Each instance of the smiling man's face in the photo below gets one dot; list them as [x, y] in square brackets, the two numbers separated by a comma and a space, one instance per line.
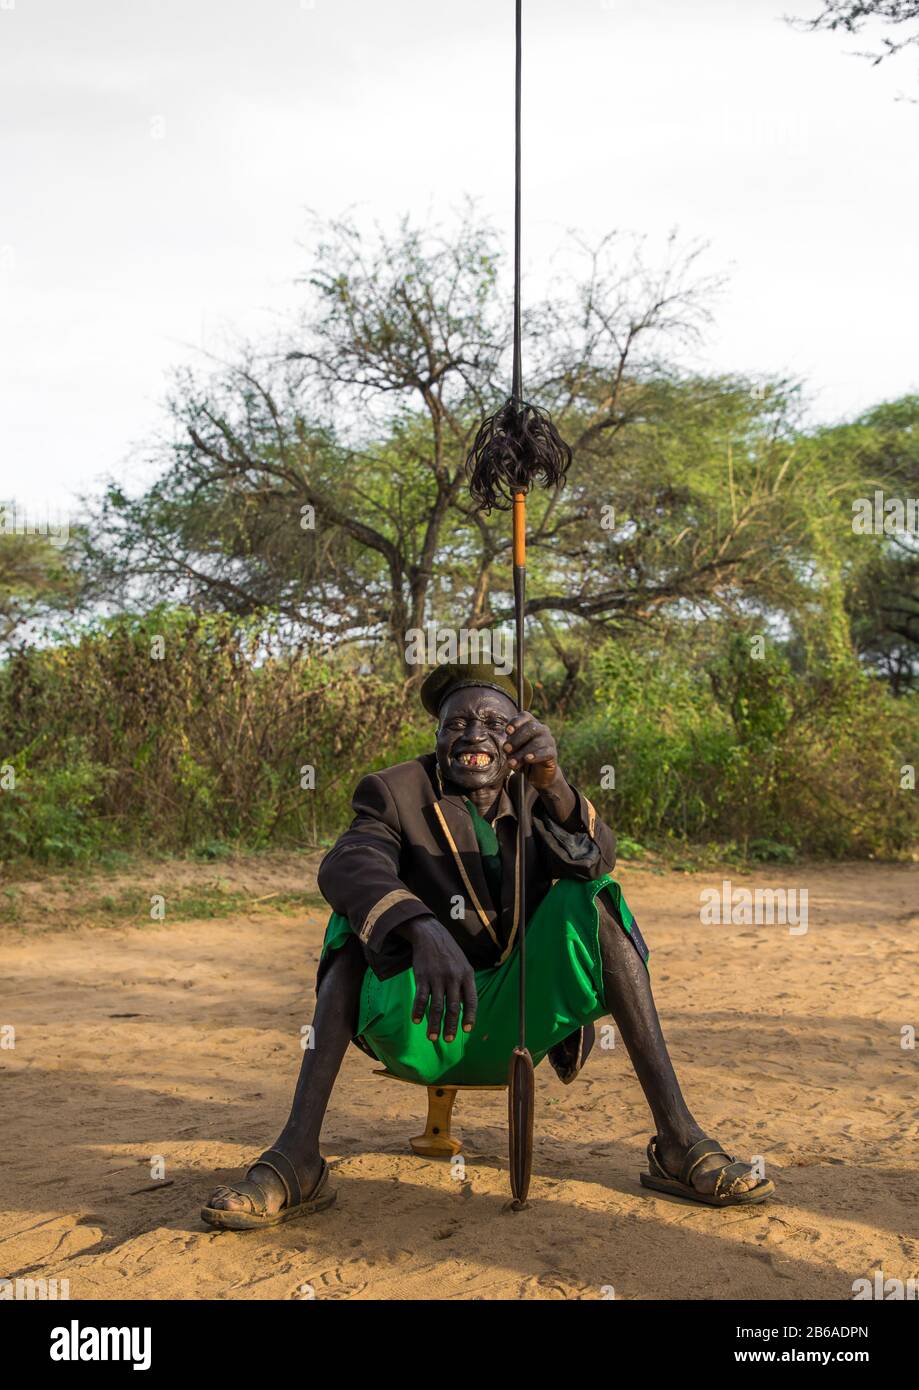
[470, 737]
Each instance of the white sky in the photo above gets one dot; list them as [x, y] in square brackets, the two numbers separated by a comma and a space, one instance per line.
[157, 158]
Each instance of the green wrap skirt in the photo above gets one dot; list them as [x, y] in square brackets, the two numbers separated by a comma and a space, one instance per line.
[564, 992]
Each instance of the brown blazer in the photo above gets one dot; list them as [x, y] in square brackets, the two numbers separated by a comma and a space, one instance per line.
[411, 850]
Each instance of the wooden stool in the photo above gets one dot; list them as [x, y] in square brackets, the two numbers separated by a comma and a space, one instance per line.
[437, 1140]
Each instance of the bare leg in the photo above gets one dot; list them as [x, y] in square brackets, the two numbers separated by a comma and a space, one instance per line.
[333, 1025]
[631, 1003]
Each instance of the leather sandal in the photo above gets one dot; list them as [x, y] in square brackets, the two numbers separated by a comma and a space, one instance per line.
[259, 1215]
[727, 1191]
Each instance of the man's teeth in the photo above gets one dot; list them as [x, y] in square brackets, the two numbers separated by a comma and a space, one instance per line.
[475, 759]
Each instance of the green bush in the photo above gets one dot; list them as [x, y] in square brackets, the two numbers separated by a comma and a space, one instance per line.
[50, 812]
[744, 751]
[175, 732]
[193, 731]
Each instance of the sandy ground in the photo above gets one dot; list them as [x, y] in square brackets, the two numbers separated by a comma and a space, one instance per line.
[178, 1042]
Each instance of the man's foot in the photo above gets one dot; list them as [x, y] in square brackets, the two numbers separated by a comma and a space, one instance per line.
[671, 1154]
[309, 1166]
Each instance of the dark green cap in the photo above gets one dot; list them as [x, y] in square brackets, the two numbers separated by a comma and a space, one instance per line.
[443, 680]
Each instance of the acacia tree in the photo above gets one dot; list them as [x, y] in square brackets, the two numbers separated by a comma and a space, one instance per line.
[324, 480]
[365, 416]
[880, 566]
